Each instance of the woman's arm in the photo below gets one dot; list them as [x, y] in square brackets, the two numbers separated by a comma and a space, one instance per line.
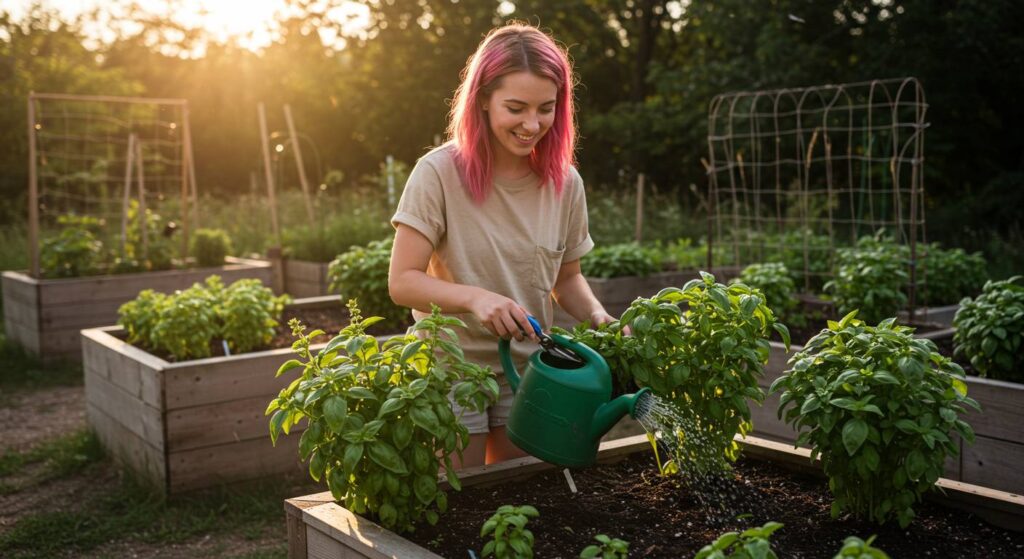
[410, 286]
[573, 294]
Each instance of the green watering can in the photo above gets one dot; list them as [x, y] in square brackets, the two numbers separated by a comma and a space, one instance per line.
[561, 407]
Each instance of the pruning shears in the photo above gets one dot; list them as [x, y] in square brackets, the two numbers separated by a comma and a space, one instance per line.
[551, 346]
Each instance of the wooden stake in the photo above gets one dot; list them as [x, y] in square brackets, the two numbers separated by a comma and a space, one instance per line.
[638, 235]
[298, 161]
[143, 218]
[129, 161]
[33, 189]
[187, 137]
[268, 175]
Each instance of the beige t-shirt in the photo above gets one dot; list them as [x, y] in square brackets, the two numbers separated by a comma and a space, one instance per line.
[513, 244]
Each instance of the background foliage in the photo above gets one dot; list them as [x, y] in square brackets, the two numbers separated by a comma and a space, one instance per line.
[647, 69]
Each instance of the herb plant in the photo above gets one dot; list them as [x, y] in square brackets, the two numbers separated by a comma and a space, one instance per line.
[684, 255]
[856, 548]
[948, 275]
[626, 259]
[379, 420]
[606, 548]
[74, 251]
[362, 274]
[870, 278]
[706, 359]
[185, 323]
[774, 281]
[210, 246]
[878, 406]
[509, 537]
[159, 246]
[990, 328]
[752, 543]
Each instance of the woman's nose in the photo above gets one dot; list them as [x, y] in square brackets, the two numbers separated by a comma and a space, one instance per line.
[531, 124]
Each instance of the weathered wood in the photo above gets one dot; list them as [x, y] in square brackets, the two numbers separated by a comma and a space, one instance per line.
[54, 310]
[303, 278]
[296, 527]
[220, 423]
[1002, 409]
[145, 421]
[994, 463]
[223, 379]
[233, 462]
[128, 448]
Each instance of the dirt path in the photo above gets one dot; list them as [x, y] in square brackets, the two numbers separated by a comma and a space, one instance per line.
[34, 417]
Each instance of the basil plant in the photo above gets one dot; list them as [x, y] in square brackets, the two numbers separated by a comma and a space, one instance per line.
[706, 359]
[879, 407]
[379, 421]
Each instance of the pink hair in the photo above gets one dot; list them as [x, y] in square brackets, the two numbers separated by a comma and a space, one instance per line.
[512, 48]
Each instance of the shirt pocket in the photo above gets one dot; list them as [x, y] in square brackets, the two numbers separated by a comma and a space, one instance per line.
[546, 263]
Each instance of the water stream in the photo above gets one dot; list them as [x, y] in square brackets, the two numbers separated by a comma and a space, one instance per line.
[703, 470]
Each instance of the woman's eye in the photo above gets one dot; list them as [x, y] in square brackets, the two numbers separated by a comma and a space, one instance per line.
[548, 111]
[514, 111]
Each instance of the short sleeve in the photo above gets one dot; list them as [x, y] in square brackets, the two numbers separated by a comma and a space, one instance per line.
[422, 205]
[577, 238]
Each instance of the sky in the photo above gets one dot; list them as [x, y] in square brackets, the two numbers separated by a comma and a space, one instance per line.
[250, 23]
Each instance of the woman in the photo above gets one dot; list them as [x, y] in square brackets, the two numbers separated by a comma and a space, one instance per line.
[493, 223]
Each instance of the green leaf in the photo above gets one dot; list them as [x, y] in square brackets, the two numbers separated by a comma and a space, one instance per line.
[425, 418]
[854, 432]
[350, 459]
[387, 457]
[916, 465]
[289, 365]
[335, 412]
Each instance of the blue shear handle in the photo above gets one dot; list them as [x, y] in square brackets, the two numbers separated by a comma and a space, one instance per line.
[535, 324]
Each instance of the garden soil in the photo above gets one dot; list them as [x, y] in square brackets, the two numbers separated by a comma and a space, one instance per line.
[662, 519]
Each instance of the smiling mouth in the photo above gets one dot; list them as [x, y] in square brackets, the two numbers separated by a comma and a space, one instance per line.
[524, 138]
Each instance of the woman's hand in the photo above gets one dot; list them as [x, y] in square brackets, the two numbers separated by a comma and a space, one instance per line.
[502, 316]
[600, 317]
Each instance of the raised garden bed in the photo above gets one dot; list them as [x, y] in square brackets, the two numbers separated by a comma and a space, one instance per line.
[193, 424]
[934, 315]
[45, 315]
[304, 278]
[995, 458]
[629, 500]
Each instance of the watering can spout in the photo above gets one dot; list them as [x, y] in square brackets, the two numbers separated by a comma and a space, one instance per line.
[610, 413]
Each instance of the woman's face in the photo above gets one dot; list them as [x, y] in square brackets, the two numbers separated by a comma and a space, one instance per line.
[520, 112]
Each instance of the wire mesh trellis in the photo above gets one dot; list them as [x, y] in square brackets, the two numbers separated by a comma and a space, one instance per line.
[796, 173]
[116, 161]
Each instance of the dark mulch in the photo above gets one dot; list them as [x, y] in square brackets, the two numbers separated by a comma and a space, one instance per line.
[661, 518]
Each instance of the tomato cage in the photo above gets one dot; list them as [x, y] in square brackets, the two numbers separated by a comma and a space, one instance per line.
[795, 174]
[120, 168]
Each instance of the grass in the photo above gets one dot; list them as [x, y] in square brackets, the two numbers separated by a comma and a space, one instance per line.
[134, 512]
[20, 370]
[59, 457]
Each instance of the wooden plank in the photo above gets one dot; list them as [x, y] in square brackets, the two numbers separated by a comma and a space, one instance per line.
[994, 463]
[296, 527]
[1002, 409]
[224, 379]
[125, 287]
[321, 546]
[229, 463]
[339, 529]
[128, 448]
[305, 278]
[128, 410]
[220, 423]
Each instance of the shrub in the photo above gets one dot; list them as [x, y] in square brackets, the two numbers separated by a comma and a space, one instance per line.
[789, 248]
[949, 275]
[509, 537]
[210, 246]
[878, 406]
[323, 241]
[185, 323]
[159, 250]
[990, 328]
[684, 255]
[706, 359]
[870, 278]
[752, 543]
[606, 548]
[362, 274]
[74, 251]
[380, 422]
[773, 280]
[626, 259]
